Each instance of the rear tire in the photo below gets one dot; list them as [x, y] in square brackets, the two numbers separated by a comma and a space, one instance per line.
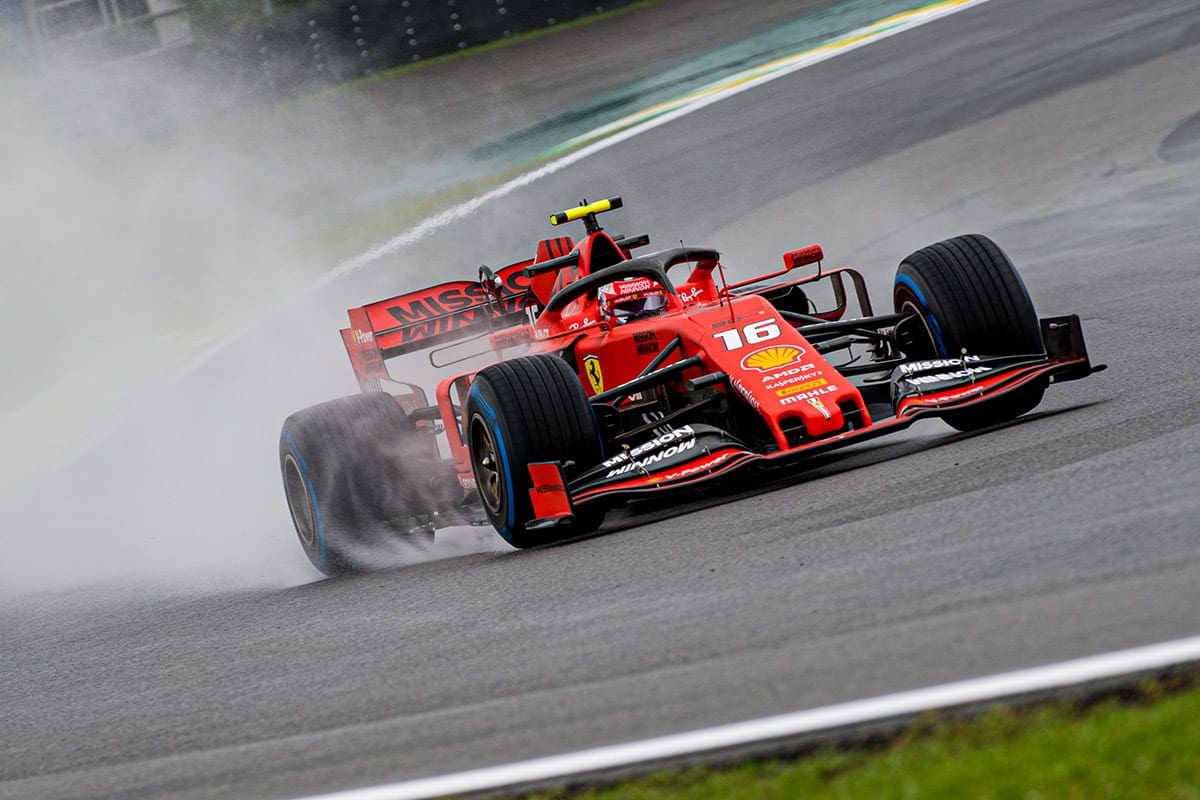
[969, 297]
[352, 474]
[520, 412]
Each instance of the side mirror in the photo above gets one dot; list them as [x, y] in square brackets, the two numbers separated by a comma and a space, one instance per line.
[490, 281]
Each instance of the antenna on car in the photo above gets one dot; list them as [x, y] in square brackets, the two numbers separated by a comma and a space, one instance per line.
[725, 290]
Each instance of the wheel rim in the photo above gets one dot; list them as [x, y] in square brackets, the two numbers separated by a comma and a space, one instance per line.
[485, 459]
[295, 487]
[912, 308]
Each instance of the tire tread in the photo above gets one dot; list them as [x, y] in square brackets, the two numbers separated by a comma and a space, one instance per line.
[979, 303]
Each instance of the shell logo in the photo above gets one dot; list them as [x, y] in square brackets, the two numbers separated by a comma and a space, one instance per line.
[770, 358]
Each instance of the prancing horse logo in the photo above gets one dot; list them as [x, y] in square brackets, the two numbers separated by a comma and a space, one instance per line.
[591, 365]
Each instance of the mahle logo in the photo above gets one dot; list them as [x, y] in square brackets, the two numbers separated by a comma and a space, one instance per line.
[770, 358]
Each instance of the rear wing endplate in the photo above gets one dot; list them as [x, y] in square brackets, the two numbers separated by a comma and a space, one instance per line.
[426, 318]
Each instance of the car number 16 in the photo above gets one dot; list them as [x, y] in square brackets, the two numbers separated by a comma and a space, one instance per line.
[754, 333]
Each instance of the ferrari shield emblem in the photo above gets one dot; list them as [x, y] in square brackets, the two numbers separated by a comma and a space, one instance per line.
[591, 365]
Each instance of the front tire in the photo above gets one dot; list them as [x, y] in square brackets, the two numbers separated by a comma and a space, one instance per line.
[525, 411]
[968, 297]
[351, 474]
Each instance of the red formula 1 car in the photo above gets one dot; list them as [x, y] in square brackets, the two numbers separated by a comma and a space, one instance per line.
[610, 376]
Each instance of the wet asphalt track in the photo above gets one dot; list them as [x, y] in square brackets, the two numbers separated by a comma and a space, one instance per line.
[920, 559]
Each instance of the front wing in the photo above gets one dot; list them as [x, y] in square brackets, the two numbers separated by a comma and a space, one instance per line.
[687, 456]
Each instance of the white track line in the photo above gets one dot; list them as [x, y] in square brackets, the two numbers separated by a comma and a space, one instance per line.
[875, 709]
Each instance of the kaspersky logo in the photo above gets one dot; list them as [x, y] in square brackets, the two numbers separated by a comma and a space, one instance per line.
[769, 358]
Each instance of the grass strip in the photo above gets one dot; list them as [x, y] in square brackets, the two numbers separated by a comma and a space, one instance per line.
[1144, 744]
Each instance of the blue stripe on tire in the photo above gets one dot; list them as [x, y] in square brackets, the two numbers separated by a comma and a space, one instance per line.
[934, 328]
[312, 495]
[511, 518]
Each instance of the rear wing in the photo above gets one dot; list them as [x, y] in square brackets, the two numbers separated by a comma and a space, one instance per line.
[427, 318]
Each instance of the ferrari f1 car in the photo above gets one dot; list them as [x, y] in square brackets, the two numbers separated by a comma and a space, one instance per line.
[610, 377]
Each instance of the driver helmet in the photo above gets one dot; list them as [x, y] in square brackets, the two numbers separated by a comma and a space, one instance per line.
[621, 301]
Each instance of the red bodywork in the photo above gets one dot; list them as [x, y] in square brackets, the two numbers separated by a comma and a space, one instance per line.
[737, 333]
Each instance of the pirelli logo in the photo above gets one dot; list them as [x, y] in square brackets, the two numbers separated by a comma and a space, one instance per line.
[801, 387]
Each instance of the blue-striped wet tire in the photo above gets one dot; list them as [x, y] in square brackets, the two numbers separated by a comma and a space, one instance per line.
[519, 412]
[352, 474]
[968, 295]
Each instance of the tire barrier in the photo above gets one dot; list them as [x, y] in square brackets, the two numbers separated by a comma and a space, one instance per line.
[326, 44]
